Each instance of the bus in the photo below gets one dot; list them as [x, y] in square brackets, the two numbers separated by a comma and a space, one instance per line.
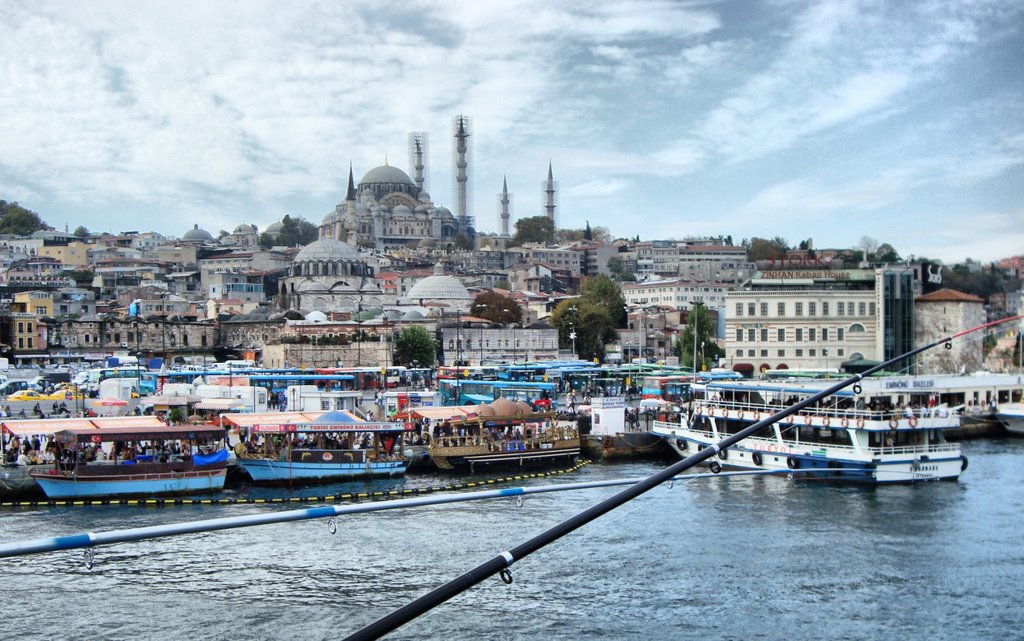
[675, 388]
[473, 392]
[471, 372]
[367, 378]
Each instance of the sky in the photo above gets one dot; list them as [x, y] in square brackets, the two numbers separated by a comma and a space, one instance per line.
[830, 121]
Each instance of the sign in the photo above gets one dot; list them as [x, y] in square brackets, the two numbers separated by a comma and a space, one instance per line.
[608, 402]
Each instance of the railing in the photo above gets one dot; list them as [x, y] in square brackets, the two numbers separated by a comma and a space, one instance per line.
[718, 407]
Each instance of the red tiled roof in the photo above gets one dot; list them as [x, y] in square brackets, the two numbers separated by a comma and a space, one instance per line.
[949, 296]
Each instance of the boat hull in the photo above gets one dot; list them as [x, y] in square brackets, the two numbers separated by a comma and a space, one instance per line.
[59, 486]
[16, 482]
[625, 445]
[270, 471]
[474, 458]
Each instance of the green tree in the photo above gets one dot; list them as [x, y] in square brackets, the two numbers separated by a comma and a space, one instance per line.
[496, 308]
[699, 325]
[415, 347]
[763, 249]
[588, 233]
[618, 269]
[81, 232]
[15, 219]
[534, 229]
[592, 324]
[296, 231]
[604, 292]
[463, 242]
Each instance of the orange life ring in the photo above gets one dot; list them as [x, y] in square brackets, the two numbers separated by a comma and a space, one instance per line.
[807, 419]
[725, 413]
[845, 422]
[912, 420]
[757, 416]
[860, 421]
[826, 421]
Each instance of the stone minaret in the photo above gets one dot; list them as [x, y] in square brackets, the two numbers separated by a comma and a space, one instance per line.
[461, 165]
[549, 196]
[417, 150]
[504, 200]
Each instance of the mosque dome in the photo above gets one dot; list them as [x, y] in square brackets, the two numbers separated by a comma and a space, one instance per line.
[386, 174]
[316, 317]
[274, 228]
[439, 287]
[327, 250]
[442, 211]
[244, 229]
[401, 210]
[197, 234]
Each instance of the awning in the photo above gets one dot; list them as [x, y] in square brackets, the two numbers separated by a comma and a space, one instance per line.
[249, 419]
[219, 404]
[438, 413]
[46, 427]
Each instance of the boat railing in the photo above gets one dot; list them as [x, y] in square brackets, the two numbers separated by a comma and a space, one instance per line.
[768, 443]
[532, 442]
[717, 407]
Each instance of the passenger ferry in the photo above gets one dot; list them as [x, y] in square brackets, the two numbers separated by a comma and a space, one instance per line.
[139, 460]
[875, 435]
[336, 445]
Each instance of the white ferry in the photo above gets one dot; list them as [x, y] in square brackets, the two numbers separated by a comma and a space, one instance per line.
[885, 430]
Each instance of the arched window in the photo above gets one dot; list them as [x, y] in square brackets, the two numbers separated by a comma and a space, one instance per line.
[856, 328]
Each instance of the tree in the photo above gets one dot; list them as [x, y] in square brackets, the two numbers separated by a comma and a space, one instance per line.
[415, 347]
[886, 253]
[699, 326]
[496, 308]
[592, 324]
[296, 231]
[81, 232]
[588, 233]
[534, 229]
[763, 249]
[15, 219]
[604, 292]
[618, 269]
[463, 242]
[868, 246]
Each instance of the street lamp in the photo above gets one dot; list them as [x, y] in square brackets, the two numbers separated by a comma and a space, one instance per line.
[480, 336]
[572, 335]
[824, 352]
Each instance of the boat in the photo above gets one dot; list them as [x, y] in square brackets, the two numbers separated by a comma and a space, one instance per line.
[611, 436]
[867, 437]
[335, 445]
[502, 434]
[144, 460]
[1011, 415]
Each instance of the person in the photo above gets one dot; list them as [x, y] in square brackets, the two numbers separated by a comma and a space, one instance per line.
[22, 459]
[572, 402]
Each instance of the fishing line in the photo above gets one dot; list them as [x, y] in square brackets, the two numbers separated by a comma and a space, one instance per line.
[504, 560]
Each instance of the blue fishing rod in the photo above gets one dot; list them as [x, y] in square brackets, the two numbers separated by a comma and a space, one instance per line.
[93, 539]
[500, 564]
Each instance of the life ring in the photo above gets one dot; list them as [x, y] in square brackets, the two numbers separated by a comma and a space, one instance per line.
[327, 456]
[845, 422]
[757, 416]
[681, 444]
[860, 421]
[711, 411]
[793, 463]
[739, 415]
[963, 463]
[97, 439]
[826, 421]
[756, 458]
[807, 420]
[893, 422]
[725, 414]
[723, 454]
[912, 421]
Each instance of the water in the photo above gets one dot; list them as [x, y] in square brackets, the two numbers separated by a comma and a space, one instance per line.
[739, 558]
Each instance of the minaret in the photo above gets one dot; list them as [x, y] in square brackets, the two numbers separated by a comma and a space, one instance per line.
[461, 164]
[417, 150]
[549, 196]
[350, 195]
[504, 200]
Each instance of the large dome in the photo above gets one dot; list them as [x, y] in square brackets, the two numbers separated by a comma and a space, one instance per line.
[386, 174]
[275, 228]
[328, 250]
[197, 234]
[439, 287]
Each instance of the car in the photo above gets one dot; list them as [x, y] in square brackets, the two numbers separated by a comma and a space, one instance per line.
[66, 394]
[28, 395]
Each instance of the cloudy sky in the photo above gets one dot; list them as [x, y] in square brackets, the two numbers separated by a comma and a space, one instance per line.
[901, 121]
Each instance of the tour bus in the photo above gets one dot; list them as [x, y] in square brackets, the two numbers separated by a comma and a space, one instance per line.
[472, 392]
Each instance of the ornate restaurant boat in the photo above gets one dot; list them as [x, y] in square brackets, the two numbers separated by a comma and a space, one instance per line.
[337, 445]
[143, 460]
[871, 437]
[503, 433]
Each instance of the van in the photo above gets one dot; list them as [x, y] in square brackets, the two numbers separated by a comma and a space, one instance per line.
[11, 387]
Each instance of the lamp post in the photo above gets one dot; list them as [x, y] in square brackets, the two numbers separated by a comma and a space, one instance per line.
[824, 352]
[480, 336]
[572, 336]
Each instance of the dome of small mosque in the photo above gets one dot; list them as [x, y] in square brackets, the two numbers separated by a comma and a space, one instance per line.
[197, 234]
[439, 287]
[327, 250]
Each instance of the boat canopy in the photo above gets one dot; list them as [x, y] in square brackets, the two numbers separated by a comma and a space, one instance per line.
[48, 426]
[137, 433]
[785, 389]
[248, 419]
[335, 421]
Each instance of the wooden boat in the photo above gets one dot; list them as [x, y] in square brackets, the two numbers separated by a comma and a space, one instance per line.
[144, 461]
[336, 445]
[503, 434]
[611, 436]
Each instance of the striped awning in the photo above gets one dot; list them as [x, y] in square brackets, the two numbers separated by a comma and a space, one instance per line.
[219, 404]
[47, 426]
[269, 418]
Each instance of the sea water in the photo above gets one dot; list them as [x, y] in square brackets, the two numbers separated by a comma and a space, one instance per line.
[721, 558]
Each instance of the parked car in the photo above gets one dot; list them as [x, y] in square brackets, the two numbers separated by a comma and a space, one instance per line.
[28, 395]
[66, 394]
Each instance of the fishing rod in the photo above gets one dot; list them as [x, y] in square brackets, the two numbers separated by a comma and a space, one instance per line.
[500, 564]
[93, 539]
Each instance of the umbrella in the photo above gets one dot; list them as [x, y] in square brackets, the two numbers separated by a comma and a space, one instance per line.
[110, 402]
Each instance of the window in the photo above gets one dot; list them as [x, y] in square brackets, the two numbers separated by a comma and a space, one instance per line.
[810, 334]
[839, 333]
[782, 335]
[824, 308]
[841, 308]
[764, 335]
[799, 334]
[811, 352]
[782, 309]
[799, 352]
[750, 309]
[812, 309]
[824, 334]
[799, 311]
[739, 335]
[856, 328]
[764, 309]
[862, 309]
[739, 353]
[782, 353]
[871, 309]
[750, 352]
[841, 351]
[750, 336]
[21, 327]
[739, 309]
[764, 353]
